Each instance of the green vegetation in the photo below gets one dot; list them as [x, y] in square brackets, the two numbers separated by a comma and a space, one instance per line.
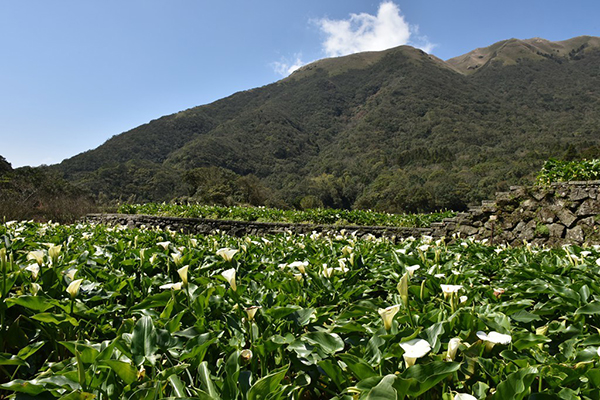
[395, 132]
[91, 311]
[40, 194]
[263, 214]
[565, 171]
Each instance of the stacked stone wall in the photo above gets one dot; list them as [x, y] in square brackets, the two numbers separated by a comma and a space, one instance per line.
[561, 213]
[554, 215]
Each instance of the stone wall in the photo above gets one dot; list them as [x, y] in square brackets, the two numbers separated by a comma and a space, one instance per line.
[562, 213]
[242, 228]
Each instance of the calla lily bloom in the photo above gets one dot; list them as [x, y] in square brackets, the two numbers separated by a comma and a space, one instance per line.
[413, 349]
[493, 338]
[176, 258]
[171, 286]
[54, 251]
[37, 255]
[35, 288]
[246, 355]
[227, 253]
[387, 315]
[183, 274]
[450, 289]
[251, 311]
[34, 269]
[403, 289]
[464, 396]
[411, 270]
[73, 288]
[452, 348]
[230, 276]
[300, 265]
[165, 245]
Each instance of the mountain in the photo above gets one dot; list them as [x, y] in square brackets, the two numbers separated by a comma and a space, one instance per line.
[393, 130]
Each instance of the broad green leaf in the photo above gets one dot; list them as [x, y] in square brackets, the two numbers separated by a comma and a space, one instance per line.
[206, 380]
[359, 367]
[517, 385]
[8, 359]
[143, 341]
[267, 385]
[592, 308]
[35, 303]
[418, 379]
[384, 389]
[55, 319]
[127, 372]
[330, 343]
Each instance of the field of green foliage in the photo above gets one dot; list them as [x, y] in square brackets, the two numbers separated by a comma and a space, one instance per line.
[266, 214]
[109, 313]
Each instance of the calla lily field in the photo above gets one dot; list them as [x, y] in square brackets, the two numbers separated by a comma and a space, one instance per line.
[97, 312]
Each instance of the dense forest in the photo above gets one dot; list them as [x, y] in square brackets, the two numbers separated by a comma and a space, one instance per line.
[398, 130]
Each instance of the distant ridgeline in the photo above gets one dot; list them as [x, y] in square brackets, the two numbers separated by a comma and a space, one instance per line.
[397, 130]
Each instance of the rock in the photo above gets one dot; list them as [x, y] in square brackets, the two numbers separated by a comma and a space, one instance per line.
[556, 230]
[589, 207]
[589, 221]
[546, 215]
[466, 230]
[529, 205]
[575, 235]
[578, 193]
[566, 217]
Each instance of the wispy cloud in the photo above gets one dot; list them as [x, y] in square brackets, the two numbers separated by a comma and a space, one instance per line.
[285, 67]
[362, 32]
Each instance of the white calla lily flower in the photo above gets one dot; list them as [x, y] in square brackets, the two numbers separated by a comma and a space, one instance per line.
[452, 349]
[73, 288]
[464, 396]
[183, 274]
[251, 312]
[413, 349]
[227, 253]
[34, 269]
[493, 338]
[171, 286]
[411, 270]
[230, 276]
[387, 315]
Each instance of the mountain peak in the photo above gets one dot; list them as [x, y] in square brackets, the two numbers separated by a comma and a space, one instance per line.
[511, 51]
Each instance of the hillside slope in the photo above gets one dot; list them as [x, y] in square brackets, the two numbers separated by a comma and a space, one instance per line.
[393, 130]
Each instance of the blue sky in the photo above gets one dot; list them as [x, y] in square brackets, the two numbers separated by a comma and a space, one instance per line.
[74, 73]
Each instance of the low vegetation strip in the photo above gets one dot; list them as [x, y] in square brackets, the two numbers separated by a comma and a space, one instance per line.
[90, 311]
[264, 214]
[565, 171]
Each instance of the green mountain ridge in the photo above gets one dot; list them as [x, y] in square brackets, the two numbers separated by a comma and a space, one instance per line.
[393, 130]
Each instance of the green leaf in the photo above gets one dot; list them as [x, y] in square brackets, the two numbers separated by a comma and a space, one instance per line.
[55, 319]
[143, 341]
[592, 308]
[359, 367]
[205, 379]
[267, 385]
[330, 343]
[9, 359]
[517, 385]
[127, 372]
[418, 379]
[384, 389]
[35, 303]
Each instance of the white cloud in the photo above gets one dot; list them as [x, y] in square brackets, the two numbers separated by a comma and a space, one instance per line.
[362, 32]
[285, 67]
[366, 32]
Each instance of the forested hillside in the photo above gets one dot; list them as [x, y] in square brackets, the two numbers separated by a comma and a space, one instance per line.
[398, 130]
